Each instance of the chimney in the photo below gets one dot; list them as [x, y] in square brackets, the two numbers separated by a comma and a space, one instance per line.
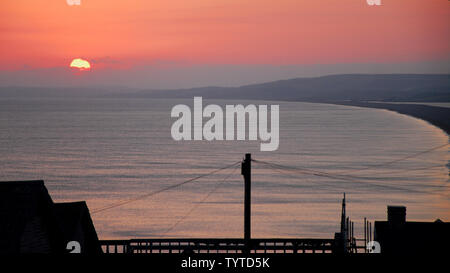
[396, 215]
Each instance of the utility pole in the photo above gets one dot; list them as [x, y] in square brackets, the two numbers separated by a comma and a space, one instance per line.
[246, 172]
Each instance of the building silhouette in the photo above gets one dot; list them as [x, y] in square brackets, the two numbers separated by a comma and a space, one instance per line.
[30, 222]
[398, 236]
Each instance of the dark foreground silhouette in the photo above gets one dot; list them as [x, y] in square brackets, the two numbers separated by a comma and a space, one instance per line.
[32, 223]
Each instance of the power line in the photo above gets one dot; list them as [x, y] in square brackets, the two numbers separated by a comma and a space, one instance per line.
[345, 178]
[409, 169]
[316, 172]
[326, 174]
[330, 175]
[401, 159]
[162, 190]
[321, 173]
[217, 186]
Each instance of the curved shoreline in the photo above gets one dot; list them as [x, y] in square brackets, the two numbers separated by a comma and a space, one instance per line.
[437, 116]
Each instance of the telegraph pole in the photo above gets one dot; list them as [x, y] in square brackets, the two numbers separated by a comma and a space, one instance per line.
[246, 172]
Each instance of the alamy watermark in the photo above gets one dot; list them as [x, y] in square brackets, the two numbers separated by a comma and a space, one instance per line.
[73, 2]
[214, 129]
[73, 247]
[373, 247]
[373, 2]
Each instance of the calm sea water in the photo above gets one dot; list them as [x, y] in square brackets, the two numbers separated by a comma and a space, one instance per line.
[107, 151]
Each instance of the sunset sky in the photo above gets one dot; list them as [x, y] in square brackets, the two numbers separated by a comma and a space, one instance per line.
[184, 43]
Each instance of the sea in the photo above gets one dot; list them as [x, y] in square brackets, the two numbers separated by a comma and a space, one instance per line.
[118, 155]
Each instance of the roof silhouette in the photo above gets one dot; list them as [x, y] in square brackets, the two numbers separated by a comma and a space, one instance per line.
[30, 222]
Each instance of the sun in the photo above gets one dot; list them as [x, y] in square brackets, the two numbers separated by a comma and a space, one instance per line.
[80, 64]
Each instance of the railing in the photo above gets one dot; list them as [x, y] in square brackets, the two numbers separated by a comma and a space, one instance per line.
[217, 246]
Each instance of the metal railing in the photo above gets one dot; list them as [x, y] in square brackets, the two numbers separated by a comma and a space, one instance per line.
[217, 246]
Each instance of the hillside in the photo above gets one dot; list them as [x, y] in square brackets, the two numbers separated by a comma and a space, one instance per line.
[389, 87]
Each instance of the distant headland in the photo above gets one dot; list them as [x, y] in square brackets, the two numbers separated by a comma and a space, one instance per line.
[361, 90]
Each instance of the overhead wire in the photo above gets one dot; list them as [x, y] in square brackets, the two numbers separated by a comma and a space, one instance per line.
[217, 186]
[121, 203]
[401, 158]
[345, 178]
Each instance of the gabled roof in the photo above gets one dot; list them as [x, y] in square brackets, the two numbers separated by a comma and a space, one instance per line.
[75, 223]
[32, 222]
[25, 210]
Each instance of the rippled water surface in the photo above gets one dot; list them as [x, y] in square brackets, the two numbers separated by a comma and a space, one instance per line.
[106, 151]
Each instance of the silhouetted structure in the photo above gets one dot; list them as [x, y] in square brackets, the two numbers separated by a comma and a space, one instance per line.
[344, 240]
[218, 245]
[32, 223]
[397, 236]
[340, 238]
[246, 171]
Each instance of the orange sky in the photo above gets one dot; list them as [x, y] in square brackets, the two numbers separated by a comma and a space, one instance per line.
[49, 33]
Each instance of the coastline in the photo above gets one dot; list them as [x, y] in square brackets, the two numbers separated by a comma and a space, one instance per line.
[437, 116]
